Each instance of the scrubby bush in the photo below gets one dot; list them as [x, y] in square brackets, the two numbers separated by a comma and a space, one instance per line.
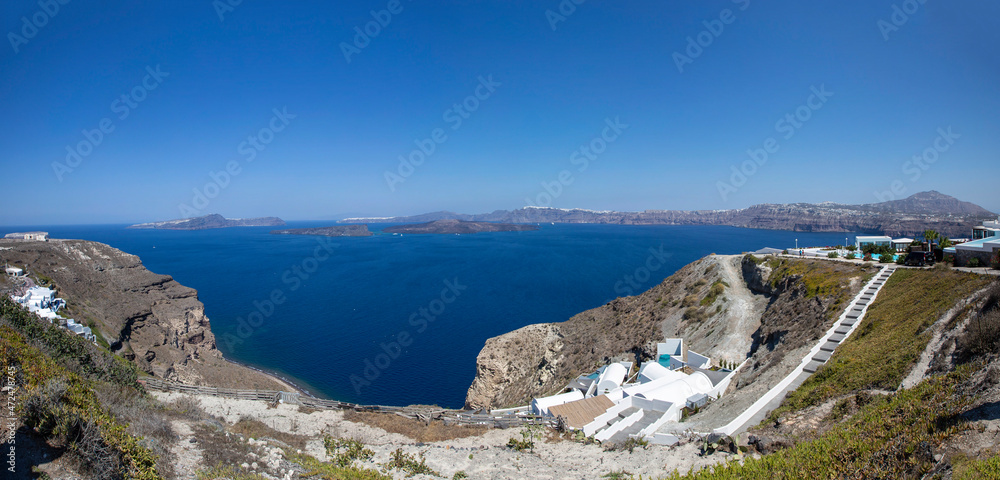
[851, 256]
[345, 451]
[973, 263]
[408, 463]
[995, 261]
[833, 255]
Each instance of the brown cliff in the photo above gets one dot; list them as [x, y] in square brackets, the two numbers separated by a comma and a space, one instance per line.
[147, 318]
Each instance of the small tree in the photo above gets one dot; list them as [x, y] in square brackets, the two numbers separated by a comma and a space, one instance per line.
[851, 248]
[931, 235]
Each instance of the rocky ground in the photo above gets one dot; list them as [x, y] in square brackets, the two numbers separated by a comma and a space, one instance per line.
[483, 456]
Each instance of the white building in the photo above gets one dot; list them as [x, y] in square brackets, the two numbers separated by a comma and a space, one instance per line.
[989, 228]
[39, 236]
[880, 240]
[15, 271]
[900, 244]
[604, 406]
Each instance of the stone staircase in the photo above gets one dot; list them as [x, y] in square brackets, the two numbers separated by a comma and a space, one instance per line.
[850, 321]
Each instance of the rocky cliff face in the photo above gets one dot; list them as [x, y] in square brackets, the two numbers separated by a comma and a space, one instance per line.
[150, 319]
[705, 302]
[727, 307]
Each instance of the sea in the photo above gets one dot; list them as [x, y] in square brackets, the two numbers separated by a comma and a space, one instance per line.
[399, 319]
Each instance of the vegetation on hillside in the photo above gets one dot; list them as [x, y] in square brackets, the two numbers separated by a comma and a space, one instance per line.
[891, 337]
[59, 404]
[885, 439]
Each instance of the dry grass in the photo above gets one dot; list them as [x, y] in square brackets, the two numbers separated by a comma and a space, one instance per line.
[251, 428]
[417, 430]
[219, 449]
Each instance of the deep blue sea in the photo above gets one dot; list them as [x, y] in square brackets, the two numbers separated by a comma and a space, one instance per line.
[323, 312]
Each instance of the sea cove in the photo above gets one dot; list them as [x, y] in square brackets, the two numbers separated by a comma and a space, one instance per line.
[399, 320]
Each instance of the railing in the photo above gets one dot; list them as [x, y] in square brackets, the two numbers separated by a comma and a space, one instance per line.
[425, 414]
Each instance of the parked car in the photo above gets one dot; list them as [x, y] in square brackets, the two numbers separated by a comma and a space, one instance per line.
[919, 259]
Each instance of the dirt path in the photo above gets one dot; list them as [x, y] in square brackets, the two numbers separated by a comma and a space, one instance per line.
[744, 310]
[919, 371]
[187, 455]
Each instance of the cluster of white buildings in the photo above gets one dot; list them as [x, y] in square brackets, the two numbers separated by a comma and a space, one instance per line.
[43, 302]
[984, 246]
[612, 405]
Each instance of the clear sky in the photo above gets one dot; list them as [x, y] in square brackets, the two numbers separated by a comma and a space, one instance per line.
[505, 93]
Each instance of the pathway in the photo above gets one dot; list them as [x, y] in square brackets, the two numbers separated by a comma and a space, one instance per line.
[819, 355]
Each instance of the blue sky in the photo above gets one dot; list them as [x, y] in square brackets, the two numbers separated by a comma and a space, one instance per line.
[222, 78]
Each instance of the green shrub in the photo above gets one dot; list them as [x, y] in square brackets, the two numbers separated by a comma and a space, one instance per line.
[832, 255]
[851, 256]
[408, 463]
[973, 262]
[345, 451]
[59, 403]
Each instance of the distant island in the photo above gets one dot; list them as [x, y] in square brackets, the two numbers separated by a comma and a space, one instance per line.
[910, 216]
[213, 220]
[458, 226]
[335, 231]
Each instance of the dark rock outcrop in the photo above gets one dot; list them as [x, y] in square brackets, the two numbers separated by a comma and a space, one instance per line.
[335, 231]
[458, 226]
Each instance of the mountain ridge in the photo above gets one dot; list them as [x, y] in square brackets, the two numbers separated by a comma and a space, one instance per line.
[910, 216]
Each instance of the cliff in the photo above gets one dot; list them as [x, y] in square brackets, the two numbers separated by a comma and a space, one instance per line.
[911, 216]
[727, 307]
[211, 221]
[149, 319]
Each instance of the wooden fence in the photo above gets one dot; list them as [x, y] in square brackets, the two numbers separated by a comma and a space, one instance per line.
[425, 414]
